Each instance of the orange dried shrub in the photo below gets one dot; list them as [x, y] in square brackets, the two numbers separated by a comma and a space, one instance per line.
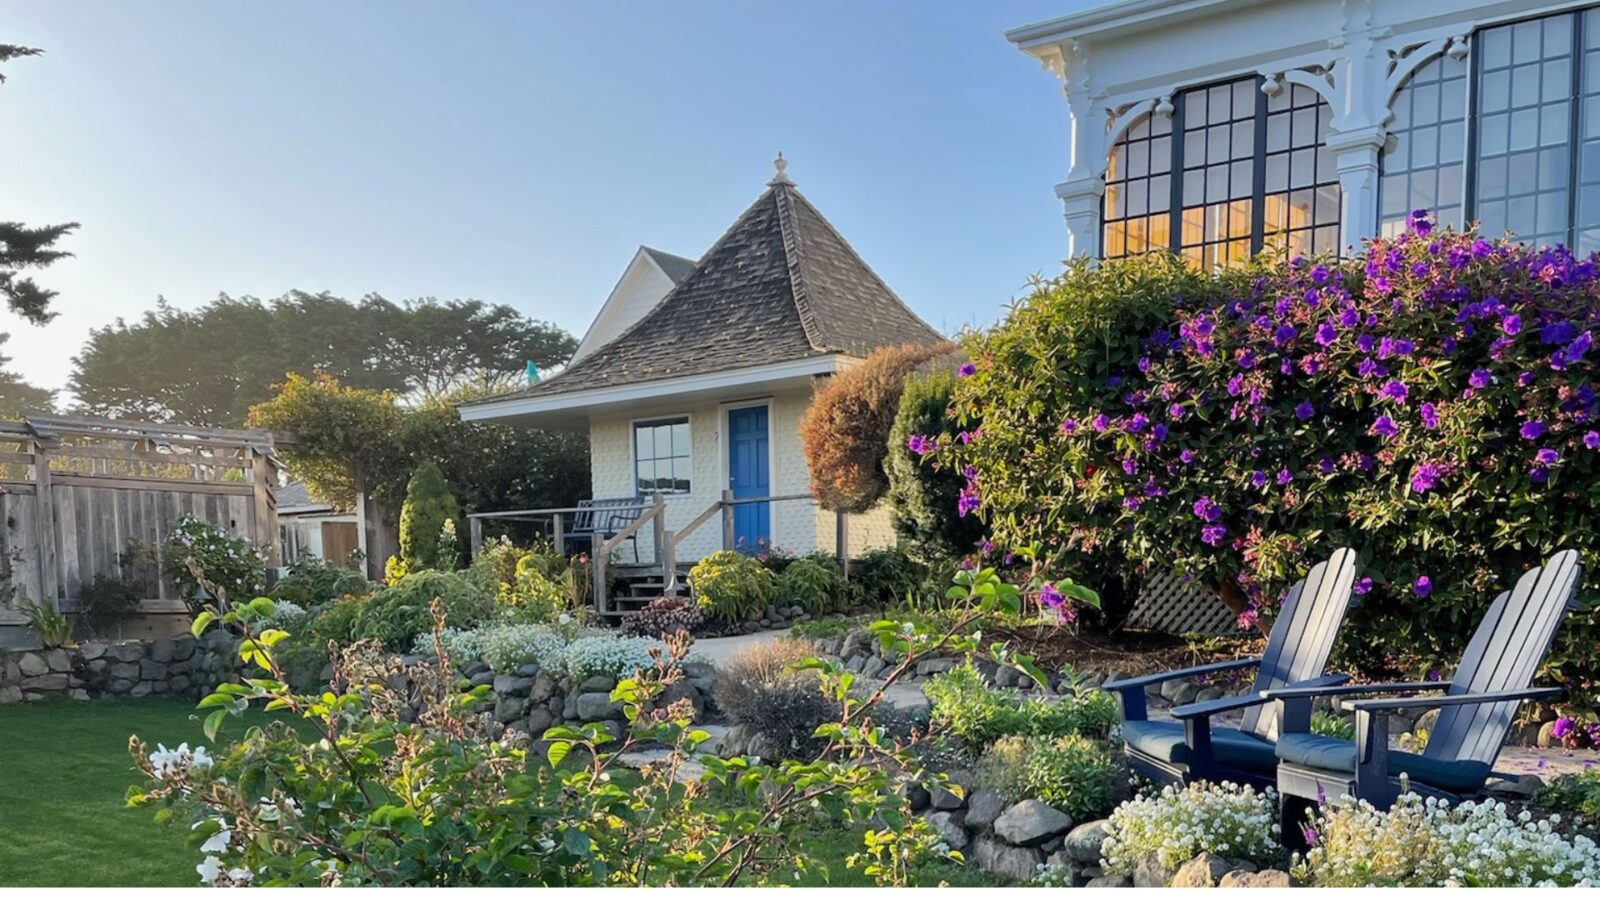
[846, 429]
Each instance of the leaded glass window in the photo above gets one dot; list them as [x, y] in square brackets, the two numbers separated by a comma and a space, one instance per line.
[1230, 171]
[1424, 162]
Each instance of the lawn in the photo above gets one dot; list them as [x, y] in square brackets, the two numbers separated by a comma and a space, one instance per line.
[64, 770]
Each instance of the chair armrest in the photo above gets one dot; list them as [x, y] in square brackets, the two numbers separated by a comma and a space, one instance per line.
[1378, 705]
[1210, 708]
[1305, 689]
[1139, 681]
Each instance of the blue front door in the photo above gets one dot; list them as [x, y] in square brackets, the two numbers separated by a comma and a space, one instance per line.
[748, 476]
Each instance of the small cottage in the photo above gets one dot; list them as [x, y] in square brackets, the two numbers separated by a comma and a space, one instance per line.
[694, 375]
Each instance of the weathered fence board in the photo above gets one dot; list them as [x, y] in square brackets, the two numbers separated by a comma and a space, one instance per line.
[77, 494]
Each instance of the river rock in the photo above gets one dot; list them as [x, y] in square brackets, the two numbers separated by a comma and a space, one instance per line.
[1202, 871]
[983, 807]
[1021, 863]
[1083, 843]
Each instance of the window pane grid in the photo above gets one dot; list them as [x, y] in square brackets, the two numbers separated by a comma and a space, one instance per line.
[661, 455]
[1423, 163]
[1139, 190]
[1247, 171]
[1526, 115]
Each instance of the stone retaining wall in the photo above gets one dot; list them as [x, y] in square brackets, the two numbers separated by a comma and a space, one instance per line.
[181, 665]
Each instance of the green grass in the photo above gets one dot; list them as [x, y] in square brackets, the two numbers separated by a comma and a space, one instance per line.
[64, 771]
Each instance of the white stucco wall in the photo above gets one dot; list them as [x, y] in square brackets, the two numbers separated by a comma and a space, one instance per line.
[798, 526]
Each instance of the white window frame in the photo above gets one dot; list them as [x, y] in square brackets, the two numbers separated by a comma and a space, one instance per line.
[633, 449]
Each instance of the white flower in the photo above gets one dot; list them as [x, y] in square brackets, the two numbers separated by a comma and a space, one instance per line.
[210, 870]
[164, 762]
[241, 876]
[217, 843]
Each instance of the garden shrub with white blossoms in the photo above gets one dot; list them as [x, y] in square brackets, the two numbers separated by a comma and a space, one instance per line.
[1178, 824]
[1426, 843]
[564, 650]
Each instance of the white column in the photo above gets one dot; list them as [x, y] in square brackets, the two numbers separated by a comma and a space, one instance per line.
[1080, 205]
[1356, 155]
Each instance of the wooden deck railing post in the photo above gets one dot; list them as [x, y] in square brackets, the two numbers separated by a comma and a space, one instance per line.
[841, 541]
[669, 561]
[598, 560]
[727, 520]
[475, 535]
[559, 533]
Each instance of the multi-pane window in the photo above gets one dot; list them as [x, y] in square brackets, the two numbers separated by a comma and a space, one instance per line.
[1139, 189]
[1424, 161]
[1526, 86]
[1229, 172]
[661, 455]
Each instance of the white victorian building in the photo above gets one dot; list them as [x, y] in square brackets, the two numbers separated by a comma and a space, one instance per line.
[1217, 127]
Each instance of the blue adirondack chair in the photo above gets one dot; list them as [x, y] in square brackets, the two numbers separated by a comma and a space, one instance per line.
[1476, 708]
[1190, 749]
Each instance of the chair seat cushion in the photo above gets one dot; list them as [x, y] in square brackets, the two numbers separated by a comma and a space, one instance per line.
[1166, 741]
[1337, 755]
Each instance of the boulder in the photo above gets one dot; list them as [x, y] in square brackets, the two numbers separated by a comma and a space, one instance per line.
[55, 681]
[946, 800]
[509, 709]
[1149, 872]
[683, 690]
[33, 664]
[1005, 676]
[1031, 823]
[1208, 694]
[512, 685]
[142, 689]
[92, 650]
[917, 797]
[950, 829]
[983, 807]
[1514, 787]
[1107, 881]
[1267, 878]
[856, 643]
[1020, 863]
[873, 666]
[182, 648]
[161, 651]
[1178, 691]
[150, 670]
[594, 706]
[935, 666]
[539, 720]
[733, 741]
[855, 664]
[597, 684]
[10, 693]
[120, 686]
[484, 677]
[1202, 871]
[543, 687]
[126, 670]
[127, 651]
[1083, 843]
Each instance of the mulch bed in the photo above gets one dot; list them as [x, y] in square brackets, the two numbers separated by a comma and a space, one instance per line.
[1125, 651]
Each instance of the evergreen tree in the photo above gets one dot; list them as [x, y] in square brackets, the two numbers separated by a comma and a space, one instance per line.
[25, 247]
[429, 505]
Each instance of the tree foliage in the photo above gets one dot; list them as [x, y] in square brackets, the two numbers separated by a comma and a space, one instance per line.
[925, 491]
[208, 366]
[351, 439]
[1431, 403]
[846, 428]
[24, 247]
[429, 505]
[18, 396]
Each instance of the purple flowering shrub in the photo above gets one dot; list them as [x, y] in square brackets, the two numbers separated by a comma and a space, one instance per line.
[1431, 403]
[926, 499]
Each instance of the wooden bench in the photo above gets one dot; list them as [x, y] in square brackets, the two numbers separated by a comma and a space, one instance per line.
[599, 520]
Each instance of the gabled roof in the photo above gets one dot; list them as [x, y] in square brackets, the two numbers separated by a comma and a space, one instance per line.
[672, 265]
[781, 285]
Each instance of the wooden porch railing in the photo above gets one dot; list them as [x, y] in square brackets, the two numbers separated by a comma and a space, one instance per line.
[726, 505]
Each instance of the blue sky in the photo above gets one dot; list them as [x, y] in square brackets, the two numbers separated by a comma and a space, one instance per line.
[515, 152]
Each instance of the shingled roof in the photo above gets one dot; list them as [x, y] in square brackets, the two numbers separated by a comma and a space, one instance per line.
[781, 285]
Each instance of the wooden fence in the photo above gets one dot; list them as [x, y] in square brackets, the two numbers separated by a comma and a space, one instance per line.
[76, 493]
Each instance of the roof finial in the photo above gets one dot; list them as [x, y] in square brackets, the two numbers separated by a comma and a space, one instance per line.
[782, 177]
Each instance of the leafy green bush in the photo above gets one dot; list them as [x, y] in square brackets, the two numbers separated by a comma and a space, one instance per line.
[815, 585]
[338, 620]
[313, 584]
[225, 560]
[887, 576]
[924, 489]
[1576, 792]
[397, 613]
[732, 586]
[1432, 401]
[1426, 843]
[1179, 823]
[107, 602]
[1072, 773]
[980, 715]
[532, 596]
[428, 510]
